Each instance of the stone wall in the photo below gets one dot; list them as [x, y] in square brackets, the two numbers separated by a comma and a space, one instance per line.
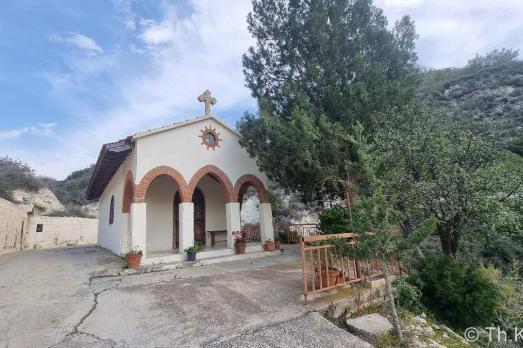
[60, 232]
[13, 221]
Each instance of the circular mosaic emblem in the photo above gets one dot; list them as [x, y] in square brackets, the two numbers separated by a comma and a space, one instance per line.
[210, 138]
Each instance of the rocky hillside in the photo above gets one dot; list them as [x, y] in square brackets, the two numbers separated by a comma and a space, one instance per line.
[48, 196]
[71, 190]
[488, 91]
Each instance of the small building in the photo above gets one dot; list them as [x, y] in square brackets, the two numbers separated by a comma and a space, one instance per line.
[162, 190]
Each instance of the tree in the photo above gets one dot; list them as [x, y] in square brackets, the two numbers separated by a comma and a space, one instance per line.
[435, 166]
[317, 68]
[379, 206]
[493, 58]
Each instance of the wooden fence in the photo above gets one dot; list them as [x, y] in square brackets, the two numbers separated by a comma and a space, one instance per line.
[323, 270]
[294, 232]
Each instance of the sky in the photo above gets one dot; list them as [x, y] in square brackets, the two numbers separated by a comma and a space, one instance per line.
[75, 74]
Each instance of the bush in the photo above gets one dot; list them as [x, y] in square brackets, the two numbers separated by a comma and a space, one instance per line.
[460, 294]
[408, 296]
[16, 175]
[334, 220]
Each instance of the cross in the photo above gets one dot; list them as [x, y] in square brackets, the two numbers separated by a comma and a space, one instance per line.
[209, 100]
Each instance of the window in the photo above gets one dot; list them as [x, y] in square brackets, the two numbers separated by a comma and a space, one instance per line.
[39, 227]
[111, 211]
[211, 139]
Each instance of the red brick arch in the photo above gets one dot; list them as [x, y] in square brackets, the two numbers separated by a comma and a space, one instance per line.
[141, 188]
[219, 175]
[128, 192]
[243, 183]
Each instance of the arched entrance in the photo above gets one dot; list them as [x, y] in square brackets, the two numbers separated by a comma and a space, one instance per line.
[160, 222]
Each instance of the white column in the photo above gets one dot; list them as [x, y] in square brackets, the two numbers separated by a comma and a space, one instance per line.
[186, 225]
[266, 228]
[232, 214]
[126, 243]
[138, 227]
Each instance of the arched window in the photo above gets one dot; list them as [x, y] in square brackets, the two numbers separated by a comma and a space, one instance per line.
[111, 211]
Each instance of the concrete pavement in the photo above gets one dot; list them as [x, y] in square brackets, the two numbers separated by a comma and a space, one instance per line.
[59, 298]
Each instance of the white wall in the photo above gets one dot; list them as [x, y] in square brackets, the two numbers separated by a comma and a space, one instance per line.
[111, 236]
[159, 201]
[181, 149]
[214, 207]
[60, 231]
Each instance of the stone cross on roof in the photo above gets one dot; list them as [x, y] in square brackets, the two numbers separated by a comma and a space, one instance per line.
[208, 99]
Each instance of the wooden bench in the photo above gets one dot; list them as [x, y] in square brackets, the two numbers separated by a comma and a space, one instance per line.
[213, 235]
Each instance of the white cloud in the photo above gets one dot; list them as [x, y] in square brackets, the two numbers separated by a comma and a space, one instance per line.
[179, 57]
[452, 32]
[80, 41]
[43, 129]
[157, 33]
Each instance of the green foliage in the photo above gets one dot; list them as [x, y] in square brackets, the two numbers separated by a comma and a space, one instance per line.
[408, 296]
[276, 204]
[193, 249]
[334, 220]
[493, 58]
[15, 175]
[70, 191]
[433, 166]
[511, 299]
[70, 212]
[460, 294]
[316, 69]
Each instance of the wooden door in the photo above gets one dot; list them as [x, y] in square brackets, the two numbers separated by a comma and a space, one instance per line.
[176, 221]
[199, 216]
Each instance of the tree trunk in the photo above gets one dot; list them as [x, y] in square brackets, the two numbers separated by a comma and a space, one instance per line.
[445, 237]
[390, 297]
[347, 197]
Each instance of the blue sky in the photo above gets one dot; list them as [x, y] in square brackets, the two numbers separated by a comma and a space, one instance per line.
[75, 74]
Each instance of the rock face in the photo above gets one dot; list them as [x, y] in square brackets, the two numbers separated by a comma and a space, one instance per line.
[369, 326]
[250, 208]
[44, 200]
[490, 96]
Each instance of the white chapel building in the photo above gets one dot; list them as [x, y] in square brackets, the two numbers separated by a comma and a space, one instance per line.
[161, 190]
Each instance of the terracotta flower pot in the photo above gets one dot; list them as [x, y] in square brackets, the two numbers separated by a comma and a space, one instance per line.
[331, 275]
[270, 246]
[133, 260]
[240, 247]
[277, 244]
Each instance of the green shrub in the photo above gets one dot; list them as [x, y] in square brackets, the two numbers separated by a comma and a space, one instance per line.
[460, 294]
[334, 220]
[408, 296]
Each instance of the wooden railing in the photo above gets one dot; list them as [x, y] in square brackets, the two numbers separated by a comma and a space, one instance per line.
[252, 232]
[294, 232]
[323, 270]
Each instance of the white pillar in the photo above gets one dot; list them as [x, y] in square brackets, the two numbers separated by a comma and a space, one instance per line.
[138, 227]
[126, 243]
[266, 228]
[186, 225]
[232, 214]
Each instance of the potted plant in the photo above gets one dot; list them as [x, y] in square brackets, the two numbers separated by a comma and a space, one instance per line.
[133, 258]
[269, 245]
[277, 243]
[239, 241]
[192, 250]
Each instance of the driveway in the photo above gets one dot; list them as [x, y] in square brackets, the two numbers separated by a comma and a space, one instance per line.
[63, 298]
